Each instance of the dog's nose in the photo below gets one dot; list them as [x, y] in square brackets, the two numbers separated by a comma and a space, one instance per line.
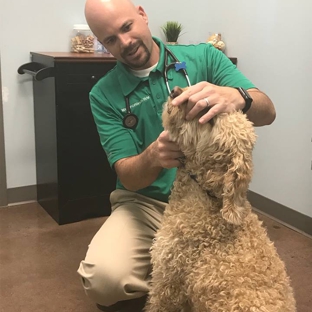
[176, 91]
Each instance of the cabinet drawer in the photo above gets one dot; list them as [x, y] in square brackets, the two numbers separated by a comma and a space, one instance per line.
[77, 78]
[77, 68]
[77, 84]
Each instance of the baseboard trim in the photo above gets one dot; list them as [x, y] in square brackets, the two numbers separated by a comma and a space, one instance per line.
[292, 218]
[22, 194]
[289, 217]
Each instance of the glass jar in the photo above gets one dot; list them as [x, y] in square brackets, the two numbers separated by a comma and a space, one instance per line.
[98, 47]
[82, 39]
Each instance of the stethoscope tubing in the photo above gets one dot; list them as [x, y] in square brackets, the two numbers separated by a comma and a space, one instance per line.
[131, 120]
[167, 67]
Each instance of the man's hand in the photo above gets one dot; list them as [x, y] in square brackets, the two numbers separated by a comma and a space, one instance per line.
[217, 99]
[137, 172]
[167, 151]
[223, 100]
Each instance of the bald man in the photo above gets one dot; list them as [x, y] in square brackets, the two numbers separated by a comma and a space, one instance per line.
[117, 267]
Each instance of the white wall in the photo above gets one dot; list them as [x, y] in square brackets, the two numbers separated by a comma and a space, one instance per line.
[25, 26]
[271, 38]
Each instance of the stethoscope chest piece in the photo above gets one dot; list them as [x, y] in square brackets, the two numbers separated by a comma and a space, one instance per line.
[130, 121]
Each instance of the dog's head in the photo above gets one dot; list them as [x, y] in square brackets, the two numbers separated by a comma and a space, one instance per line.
[219, 153]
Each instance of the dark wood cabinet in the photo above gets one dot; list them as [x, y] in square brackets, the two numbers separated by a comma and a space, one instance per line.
[74, 179]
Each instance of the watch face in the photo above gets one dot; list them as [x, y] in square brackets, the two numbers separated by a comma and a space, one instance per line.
[248, 97]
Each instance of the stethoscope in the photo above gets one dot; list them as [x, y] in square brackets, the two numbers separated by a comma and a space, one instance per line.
[131, 120]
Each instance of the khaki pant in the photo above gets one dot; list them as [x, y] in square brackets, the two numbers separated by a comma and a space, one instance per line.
[117, 264]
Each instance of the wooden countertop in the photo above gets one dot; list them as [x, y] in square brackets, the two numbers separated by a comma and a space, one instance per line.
[89, 57]
[78, 57]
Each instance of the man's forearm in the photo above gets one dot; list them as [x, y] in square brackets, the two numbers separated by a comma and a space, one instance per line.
[138, 171]
[262, 111]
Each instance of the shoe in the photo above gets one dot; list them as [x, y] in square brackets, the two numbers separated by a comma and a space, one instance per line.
[113, 308]
[133, 305]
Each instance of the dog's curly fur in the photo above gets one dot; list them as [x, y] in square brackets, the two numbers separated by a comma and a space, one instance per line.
[211, 252]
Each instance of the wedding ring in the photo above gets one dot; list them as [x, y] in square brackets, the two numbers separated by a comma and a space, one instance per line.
[207, 101]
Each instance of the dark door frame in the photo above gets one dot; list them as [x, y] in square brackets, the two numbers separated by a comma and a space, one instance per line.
[3, 183]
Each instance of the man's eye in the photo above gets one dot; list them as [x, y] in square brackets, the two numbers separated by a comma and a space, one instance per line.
[110, 41]
[127, 27]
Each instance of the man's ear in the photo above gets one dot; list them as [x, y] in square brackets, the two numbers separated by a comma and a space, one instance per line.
[142, 13]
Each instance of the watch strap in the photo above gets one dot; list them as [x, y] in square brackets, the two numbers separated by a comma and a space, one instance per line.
[246, 97]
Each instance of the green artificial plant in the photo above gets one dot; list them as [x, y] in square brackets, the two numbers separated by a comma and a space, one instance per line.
[172, 31]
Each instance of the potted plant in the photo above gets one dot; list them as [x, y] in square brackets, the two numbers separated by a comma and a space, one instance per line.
[172, 31]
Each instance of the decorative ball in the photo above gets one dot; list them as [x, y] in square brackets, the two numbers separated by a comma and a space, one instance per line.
[216, 41]
[220, 45]
[214, 38]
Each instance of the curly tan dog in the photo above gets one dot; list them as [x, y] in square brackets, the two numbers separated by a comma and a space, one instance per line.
[211, 252]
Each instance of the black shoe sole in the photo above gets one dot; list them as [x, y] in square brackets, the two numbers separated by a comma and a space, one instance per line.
[133, 305]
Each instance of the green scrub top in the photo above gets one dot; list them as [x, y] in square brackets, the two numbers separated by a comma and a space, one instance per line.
[146, 98]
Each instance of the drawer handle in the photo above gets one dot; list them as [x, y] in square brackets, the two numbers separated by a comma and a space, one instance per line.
[37, 70]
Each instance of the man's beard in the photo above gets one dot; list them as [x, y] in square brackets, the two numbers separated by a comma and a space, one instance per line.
[140, 62]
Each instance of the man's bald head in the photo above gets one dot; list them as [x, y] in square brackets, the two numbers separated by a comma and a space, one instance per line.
[123, 29]
[97, 10]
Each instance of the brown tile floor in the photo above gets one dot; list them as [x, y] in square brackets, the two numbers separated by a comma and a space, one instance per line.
[39, 259]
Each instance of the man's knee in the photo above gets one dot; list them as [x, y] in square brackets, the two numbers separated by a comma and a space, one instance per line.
[107, 286]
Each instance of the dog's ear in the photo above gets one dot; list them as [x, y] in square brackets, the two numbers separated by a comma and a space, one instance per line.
[235, 186]
[176, 91]
[236, 138]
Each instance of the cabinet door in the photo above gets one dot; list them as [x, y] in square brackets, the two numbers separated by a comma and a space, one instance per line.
[83, 169]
